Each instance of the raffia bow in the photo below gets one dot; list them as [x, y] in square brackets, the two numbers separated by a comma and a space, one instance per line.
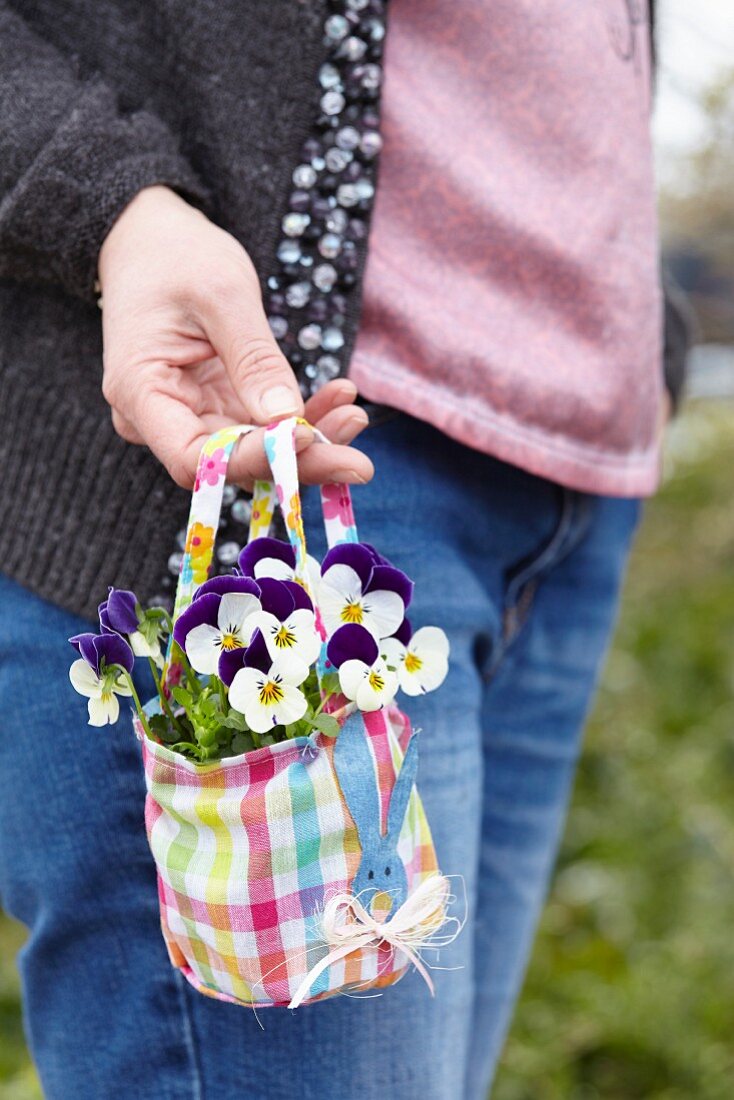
[347, 926]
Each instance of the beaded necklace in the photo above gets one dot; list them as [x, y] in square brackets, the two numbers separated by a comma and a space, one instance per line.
[313, 292]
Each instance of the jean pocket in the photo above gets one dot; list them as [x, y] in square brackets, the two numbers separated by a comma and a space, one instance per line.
[523, 579]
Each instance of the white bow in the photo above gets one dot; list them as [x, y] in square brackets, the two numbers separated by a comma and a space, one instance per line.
[347, 926]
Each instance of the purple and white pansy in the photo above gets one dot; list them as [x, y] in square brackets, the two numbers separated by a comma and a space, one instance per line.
[421, 663]
[364, 676]
[287, 624]
[121, 614]
[217, 621]
[361, 588]
[267, 557]
[101, 673]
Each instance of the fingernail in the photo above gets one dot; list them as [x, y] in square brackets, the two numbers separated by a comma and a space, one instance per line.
[303, 437]
[349, 427]
[279, 402]
[350, 476]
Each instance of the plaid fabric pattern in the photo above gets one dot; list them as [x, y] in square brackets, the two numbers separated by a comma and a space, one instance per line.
[247, 853]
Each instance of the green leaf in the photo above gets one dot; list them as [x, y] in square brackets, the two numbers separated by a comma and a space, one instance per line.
[242, 742]
[234, 721]
[162, 728]
[330, 684]
[182, 697]
[327, 724]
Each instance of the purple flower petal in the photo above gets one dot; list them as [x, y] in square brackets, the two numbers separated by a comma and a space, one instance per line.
[104, 619]
[121, 611]
[230, 663]
[349, 643]
[276, 597]
[113, 650]
[220, 586]
[404, 632]
[256, 654]
[265, 547]
[353, 554]
[84, 645]
[203, 610]
[376, 556]
[389, 579]
[300, 596]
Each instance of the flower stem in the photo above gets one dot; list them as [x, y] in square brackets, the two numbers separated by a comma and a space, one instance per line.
[166, 706]
[322, 704]
[136, 699]
[167, 619]
[191, 678]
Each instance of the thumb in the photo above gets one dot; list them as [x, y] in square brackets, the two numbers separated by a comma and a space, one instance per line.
[260, 374]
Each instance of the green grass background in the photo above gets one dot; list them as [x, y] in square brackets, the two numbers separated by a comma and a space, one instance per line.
[630, 993]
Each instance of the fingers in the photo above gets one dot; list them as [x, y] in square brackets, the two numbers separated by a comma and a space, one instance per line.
[176, 435]
[125, 428]
[236, 325]
[317, 462]
[342, 425]
[324, 462]
[340, 391]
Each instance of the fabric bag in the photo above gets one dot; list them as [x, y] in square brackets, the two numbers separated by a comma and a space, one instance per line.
[304, 868]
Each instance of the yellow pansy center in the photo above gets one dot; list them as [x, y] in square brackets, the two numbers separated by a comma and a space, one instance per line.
[270, 693]
[230, 640]
[376, 681]
[352, 612]
[412, 663]
[285, 638]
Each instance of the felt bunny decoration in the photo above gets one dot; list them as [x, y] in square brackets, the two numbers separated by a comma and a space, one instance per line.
[381, 870]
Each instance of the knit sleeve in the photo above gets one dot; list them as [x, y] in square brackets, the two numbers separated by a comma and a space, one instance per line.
[70, 161]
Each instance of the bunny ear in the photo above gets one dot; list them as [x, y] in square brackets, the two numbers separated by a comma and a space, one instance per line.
[356, 773]
[401, 790]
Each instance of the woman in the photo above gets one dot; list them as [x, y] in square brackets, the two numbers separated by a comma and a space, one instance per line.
[190, 157]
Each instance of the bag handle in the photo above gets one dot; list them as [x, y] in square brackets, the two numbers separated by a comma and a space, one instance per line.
[336, 508]
[206, 503]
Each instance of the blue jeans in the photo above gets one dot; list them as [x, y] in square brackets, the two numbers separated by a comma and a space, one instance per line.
[524, 577]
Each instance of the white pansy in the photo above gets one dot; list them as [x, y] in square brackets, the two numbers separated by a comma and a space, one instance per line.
[205, 643]
[342, 601]
[267, 699]
[369, 686]
[101, 691]
[294, 644]
[421, 665]
[281, 571]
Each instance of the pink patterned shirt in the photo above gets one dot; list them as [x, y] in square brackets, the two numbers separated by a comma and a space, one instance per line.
[511, 294]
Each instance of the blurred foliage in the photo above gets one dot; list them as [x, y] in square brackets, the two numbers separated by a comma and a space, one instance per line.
[697, 219]
[17, 1078]
[630, 993]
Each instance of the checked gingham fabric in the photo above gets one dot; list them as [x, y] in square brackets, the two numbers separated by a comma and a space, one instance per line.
[249, 850]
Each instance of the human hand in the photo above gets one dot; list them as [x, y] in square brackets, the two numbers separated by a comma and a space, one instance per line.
[188, 350]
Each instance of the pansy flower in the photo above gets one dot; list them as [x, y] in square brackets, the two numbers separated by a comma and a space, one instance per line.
[266, 557]
[356, 588]
[421, 661]
[98, 676]
[364, 676]
[267, 694]
[215, 623]
[120, 613]
[288, 627]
